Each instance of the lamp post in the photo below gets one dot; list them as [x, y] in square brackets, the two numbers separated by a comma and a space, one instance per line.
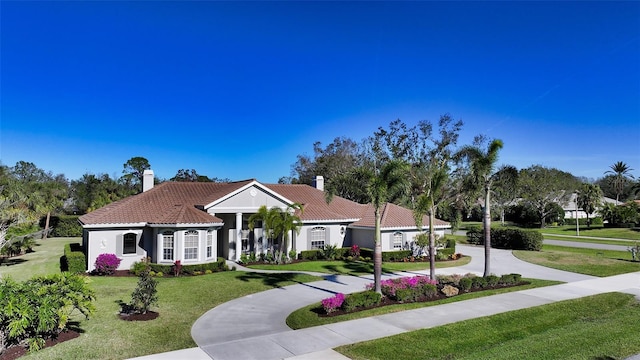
[577, 221]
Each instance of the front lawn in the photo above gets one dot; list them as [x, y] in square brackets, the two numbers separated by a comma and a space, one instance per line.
[45, 259]
[595, 231]
[593, 262]
[343, 267]
[181, 301]
[307, 317]
[565, 330]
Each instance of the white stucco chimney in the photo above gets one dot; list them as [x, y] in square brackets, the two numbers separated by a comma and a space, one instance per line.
[318, 182]
[147, 180]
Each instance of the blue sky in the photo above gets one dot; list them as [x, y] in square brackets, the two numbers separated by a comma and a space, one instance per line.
[238, 89]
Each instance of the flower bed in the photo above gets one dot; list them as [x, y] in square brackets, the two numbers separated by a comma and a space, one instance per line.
[414, 289]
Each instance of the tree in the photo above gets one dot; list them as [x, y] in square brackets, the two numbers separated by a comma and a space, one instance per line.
[187, 175]
[539, 186]
[505, 185]
[276, 223]
[133, 172]
[92, 192]
[481, 177]
[622, 174]
[382, 185]
[588, 199]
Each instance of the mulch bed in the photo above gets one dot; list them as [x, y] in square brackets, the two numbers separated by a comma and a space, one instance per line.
[150, 315]
[385, 301]
[17, 351]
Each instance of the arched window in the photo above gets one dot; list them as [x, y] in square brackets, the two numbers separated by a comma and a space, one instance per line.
[168, 245]
[317, 237]
[129, 243]
[191, 245]
[397, 240]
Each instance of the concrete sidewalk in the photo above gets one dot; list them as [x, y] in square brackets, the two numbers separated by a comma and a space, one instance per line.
[253, 327]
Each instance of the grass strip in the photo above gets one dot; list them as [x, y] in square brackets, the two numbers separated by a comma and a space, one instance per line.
[565, 330]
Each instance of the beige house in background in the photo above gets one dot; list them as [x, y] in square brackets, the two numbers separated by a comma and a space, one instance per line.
[198, 222]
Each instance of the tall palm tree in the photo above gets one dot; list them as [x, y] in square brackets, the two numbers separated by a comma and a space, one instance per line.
[286, 222]
[481, 176]
[588, 200]
[621, 173]
[382, 185]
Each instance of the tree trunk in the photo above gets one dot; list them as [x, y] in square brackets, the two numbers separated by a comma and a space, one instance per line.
[432, 243]
[377, 256]
[487, 232]
[46, 226]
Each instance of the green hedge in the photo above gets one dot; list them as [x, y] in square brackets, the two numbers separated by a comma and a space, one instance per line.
[361, 299]
[219, 265]
[63, 225]
[74, 259]
[398, 255]
[310, 254]
[508, 238]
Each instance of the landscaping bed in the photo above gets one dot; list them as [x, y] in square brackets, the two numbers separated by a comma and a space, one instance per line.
[17, 351]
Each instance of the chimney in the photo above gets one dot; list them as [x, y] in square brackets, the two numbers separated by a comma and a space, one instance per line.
[318, 182]
[147, 180]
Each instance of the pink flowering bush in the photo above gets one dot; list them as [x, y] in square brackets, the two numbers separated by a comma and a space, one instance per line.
[389, 287]
[106, 264]
[333, 303]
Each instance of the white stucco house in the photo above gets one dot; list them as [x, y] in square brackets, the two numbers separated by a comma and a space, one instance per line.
[197, 222]
[571, 210]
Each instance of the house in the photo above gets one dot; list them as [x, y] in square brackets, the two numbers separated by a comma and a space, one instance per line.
[197, 222]
[571, 210]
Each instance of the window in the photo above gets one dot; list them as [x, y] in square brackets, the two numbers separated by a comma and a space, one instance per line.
[317, 238]
[129, 244]
[209, 243]
[397, 240]
[168, 245]
[191, 245]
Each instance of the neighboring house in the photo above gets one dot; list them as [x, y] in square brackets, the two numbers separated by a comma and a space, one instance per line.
[197, 222]
[571, 208]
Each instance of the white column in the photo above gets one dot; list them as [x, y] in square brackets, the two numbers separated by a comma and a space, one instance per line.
[238, 235]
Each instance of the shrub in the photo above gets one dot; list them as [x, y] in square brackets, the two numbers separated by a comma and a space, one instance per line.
[314, 254]
[106, 264]
[74, 260]
[478, 282]
[63, 225]
[510, 279]
[407, 295]
[40, 308]
[429, 290]
[329, 251]
[139, 266]
[397, 255]
[450, 244]
[390, 286]
[333, 303]
[507, 238]
[354, 251]
[361, 299]
[492, 280]
[465, 284]
[475, 235]
[145, 293]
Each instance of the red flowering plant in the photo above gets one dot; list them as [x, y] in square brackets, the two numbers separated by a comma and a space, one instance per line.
[177, 267]
[333, 303]
[106, 264]
[354, 251]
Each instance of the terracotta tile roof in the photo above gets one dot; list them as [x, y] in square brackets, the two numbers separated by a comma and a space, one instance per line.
[393, 216]
[158, 205]
[178, 202]
[315, 205]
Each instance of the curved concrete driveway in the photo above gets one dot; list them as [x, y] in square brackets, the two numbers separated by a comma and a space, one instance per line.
[265, 313]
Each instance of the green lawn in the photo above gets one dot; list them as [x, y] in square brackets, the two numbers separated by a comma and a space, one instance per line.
[592, 241]
[306, 317]
[342, 267]
[565, 330]
[181, 301]
[584, 261]
[595, 231]
[44, 260]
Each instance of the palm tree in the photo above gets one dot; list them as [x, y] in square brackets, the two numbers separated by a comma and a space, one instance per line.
[621, 173]
[481, 176]
[287, 221]
[381, 186]
[588, 200]
[427, 203]
[268, 218]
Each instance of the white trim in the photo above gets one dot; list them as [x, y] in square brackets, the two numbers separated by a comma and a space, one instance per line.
[207, 225]
[245, 187]
[406, 228]
[340, 221]
[114, 226]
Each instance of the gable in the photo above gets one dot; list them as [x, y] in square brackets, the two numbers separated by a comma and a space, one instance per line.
[248, 198]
